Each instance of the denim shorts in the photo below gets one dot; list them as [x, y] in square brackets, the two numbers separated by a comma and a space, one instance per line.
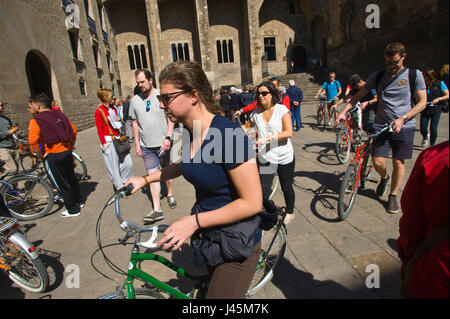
[401, 143]
[151, 160]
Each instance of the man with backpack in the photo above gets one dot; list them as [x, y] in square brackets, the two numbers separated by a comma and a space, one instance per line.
[396, 86]
[52, 130]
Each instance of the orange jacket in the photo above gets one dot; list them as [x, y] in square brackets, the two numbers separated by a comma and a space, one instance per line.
[35, 138]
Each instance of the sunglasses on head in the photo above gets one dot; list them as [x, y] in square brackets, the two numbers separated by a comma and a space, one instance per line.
[165, 99]
[264, 93]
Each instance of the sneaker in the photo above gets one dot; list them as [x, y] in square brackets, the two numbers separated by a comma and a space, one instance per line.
[392, 207]
[171, 201]
[289, 218]
[67, 214]
[82, 204]
[425, 142]
[382, 186]
[154, 216]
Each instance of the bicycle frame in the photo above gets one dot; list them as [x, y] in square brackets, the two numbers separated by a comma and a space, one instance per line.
[134, 272]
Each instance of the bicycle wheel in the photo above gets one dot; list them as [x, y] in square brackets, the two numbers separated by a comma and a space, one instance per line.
[342, 147]
[140, 293]
[273, 246]
[79, 167]
[28, 162]
[348, 191]
[275, 183]
[30, 274]
[325, 118]
[27, 197]
[319, 115]
[366, 172]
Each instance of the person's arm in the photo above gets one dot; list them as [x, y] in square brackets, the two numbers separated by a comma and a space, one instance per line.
[362, 92]
[166, 143]
[321, 90]
[444, 97]
[74, 137]
[248, 108]
[34, 135]
[171, 171]
[244, 177]
[99, 123]
[136, 136]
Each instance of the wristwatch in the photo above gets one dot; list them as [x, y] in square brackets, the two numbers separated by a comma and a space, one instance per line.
[405, 119]
[167, 137]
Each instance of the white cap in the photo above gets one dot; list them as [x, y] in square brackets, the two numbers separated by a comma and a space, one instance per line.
[291, 82]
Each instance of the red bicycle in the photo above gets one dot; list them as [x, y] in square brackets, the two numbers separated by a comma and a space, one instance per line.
[357, 173]
[345, 141]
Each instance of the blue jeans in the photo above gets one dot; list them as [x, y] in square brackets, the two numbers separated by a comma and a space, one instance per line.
[424, 120]
[296, 116]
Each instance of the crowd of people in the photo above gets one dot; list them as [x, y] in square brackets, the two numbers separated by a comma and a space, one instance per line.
[224, 208]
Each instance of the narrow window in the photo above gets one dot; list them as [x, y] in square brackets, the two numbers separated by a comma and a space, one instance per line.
[137, 57]
[82, 87]
[230, 50]
[74, 44]
[174, 53]
[131, 58]
[225, 51]
[144, 57]
[186, 51]
[180, 52]
[219, 51]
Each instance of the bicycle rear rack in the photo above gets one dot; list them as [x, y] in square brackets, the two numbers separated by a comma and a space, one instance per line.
[6, 223]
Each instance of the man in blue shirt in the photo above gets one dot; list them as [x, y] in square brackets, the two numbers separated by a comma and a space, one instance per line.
[296, 97]
[333, 89]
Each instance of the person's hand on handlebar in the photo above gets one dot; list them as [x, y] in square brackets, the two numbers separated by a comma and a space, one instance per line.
[237, 113]
[339, 117]
[397, 125]
[178, 233]
[137, 181]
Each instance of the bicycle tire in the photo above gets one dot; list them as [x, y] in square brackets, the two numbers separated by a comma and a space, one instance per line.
[325, 118]
[140, 293]
[366, 172]
[27, 197]
[30, 274]
[268, 260]
[348, 186]
[79, 166]
[319, 116]
[27, 162]
[342, 146]
[275, 184]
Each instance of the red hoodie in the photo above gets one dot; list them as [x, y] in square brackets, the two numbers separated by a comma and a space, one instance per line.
[425, 206]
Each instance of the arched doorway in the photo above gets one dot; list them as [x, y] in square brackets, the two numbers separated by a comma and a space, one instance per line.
[300, 59]
[38, 73]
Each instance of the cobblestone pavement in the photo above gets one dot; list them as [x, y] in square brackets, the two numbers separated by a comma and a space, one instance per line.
[325, 257]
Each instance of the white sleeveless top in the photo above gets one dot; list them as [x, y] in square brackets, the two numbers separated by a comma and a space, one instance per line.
[275, 152]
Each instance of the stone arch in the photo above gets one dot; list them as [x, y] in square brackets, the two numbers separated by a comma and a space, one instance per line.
[39, 73]
[299, 57]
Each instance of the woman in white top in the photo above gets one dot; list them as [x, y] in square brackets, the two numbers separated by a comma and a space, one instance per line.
[275, 152]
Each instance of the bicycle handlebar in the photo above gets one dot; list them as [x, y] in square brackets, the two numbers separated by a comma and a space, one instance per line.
[132, 229]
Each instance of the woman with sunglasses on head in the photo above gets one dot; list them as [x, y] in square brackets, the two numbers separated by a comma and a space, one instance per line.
[108, 127]
[276, 154]
[218, 160]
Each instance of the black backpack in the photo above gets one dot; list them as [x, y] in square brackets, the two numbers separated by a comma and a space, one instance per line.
[412, 79]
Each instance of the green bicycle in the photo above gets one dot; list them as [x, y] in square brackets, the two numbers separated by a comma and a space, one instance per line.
[273, 245]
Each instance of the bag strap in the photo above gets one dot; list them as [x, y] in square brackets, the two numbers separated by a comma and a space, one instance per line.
[106, 121]
[412, 84]
[435, 238]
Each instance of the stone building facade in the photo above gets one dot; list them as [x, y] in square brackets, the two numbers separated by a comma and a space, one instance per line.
[63, 50]
[237, 42]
